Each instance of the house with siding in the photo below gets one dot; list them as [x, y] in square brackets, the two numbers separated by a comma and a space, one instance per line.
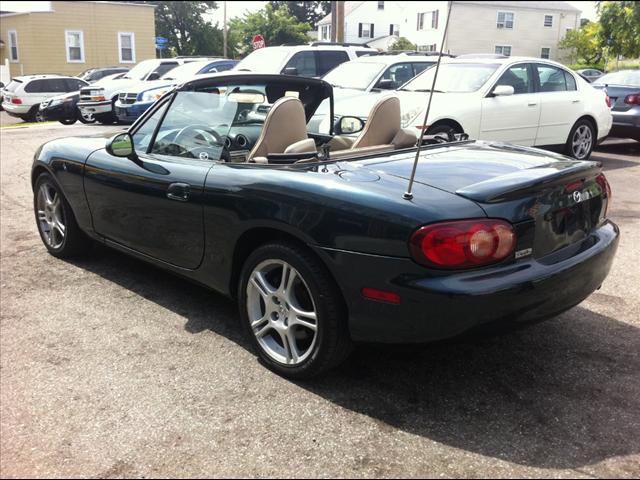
[74, 36]
[521, 28]
[365, 22]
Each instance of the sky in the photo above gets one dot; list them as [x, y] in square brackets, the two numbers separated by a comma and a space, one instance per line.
[236, 9]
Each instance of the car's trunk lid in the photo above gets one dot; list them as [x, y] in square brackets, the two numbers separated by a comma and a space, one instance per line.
[559, 195]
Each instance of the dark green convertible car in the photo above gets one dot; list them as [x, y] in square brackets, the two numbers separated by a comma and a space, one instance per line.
[219, 182]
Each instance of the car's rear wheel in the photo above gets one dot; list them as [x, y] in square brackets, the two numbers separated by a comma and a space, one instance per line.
[32, 114]
[56, 223]
[581, 140]
[293, 311]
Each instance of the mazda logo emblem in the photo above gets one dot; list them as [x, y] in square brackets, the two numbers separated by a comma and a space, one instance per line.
[577, 196]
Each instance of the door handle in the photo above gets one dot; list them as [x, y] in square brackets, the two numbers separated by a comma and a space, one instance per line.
[532, 104]
[179, 192]
[575, 101]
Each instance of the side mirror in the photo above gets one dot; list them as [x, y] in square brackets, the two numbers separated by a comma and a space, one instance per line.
[503, 91]
[291, 71]
[386, 84]
[121, 145]
[153, 76]
[349, 125]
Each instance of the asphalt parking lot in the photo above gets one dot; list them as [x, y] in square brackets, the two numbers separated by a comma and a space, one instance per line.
[112, 368]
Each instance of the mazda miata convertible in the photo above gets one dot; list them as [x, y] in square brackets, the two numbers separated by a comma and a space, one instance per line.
[221, 183]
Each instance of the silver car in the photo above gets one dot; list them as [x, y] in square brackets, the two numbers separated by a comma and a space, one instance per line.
[590, 74]
[623, 89]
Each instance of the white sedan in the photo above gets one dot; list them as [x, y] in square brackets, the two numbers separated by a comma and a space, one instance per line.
[524, 101]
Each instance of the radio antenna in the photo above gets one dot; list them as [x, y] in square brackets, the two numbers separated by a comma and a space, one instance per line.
[408, 195]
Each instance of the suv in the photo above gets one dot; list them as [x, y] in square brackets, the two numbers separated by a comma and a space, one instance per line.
[94, 74]
[135, 100]
[312, 60]
[23, 95]
[99, 98]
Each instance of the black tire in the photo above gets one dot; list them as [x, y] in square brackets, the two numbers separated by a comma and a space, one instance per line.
[333, 342]
[572, 151]
[105, 118]
[444, 130]
[86, 120]
[31, 115]
[67, 121]
[40, 117]
[75, 242]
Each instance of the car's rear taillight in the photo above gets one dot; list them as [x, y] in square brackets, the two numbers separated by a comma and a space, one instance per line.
[463, 244]
[607, 100]
[633, 99]
[606, 190]
[16, 101]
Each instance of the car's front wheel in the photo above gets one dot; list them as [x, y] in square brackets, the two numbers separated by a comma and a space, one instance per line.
[293, 311]
[67, 121]
[581, 140]
[56, 223]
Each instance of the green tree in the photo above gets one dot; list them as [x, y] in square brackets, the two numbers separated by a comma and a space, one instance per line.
[403, 44]
[620, 27]
[183, 25]
[305, 12]
[585, 43]
[277, 25]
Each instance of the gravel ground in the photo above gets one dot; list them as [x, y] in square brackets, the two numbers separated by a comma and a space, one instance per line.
[111, 368]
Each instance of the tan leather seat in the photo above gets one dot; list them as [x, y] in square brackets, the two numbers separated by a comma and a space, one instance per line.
[382, 125]
[285, 125]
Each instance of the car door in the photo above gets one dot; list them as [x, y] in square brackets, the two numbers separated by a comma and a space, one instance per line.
[560, 104]
[153, 204]
[512, 118]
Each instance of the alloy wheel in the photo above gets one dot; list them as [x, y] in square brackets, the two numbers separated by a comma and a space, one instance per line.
[87, 117]
[581, 142]
[282, 314]
[51, 219]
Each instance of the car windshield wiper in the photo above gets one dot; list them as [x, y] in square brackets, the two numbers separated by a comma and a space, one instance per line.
[421, 90]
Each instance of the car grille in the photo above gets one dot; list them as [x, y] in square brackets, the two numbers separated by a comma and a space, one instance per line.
[127, 98]
[85, 94]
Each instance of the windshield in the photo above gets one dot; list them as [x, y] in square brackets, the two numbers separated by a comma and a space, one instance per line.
[264, 60]
[13, 85]
[358, 75]
[141, 70]
[453, 77]
[186, 71]
[626, 77]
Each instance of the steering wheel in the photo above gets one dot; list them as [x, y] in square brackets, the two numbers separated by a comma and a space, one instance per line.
[210, 136]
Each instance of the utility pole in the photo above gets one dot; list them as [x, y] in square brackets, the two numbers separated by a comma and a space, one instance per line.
[334, 22]
[340, 21]
[224, 29]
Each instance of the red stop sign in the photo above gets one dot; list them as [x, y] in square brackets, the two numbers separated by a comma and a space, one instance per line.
[258, 42]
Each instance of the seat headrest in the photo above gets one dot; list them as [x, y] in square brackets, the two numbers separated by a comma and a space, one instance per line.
[383, 123]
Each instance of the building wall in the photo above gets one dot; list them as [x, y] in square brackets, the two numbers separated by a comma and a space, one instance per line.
[368, 13]
[42, 41]
[473, 29]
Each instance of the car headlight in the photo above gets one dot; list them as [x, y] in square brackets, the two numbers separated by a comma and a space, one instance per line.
[155, 94]
[97, 95]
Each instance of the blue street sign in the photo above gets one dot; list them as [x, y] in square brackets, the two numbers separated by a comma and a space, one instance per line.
[161, 47]
[161, 41]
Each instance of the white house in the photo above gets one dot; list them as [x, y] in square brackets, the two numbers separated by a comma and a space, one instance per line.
[368, 21]
[511, 28]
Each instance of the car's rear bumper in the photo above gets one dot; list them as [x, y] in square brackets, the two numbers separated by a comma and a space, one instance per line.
[626, 124]
[436, 305]
[16, 110]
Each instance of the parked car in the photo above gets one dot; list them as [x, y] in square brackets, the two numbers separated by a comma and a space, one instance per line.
[590, 74]
[135, 100]
[99, 98]
[92, 75]
[376, 73]
[312, 60]
[623, 89]
[320, 250]
[64, 108]
[524, 101]
[23, 95]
